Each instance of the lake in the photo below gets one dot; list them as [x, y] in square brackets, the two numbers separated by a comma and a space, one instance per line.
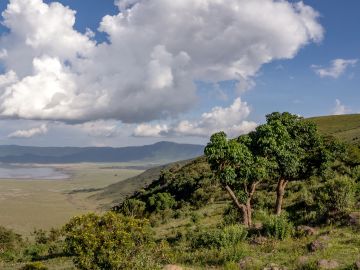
[9, 171]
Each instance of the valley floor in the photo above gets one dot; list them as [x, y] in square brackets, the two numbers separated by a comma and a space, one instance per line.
[28, 204]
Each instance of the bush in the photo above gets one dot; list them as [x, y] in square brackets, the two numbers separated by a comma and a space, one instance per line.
[9, 240]
[161, 201]
[278, 227]
[218, 238]
[112, 241]
[232, 215]
[34, 266]
[34, 252]
[336, 197]
[132, 208]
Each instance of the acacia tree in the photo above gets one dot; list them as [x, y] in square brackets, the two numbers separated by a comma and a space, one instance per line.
[294, 150]
[238, 170]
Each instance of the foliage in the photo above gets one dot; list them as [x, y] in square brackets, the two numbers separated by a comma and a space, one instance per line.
[218, 237]
[34, 251]
[133, 208]
[9, 240]
[278, 227]
[336, 197]
[111, 241]
[238, 169]
[161, 201]
[231, 215]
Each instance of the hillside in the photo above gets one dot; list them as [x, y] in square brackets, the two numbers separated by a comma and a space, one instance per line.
[344, 127]
[161, 152]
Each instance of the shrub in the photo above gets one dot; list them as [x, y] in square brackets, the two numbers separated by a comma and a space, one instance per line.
[278, 227]
[335, 197]
[35, 251]
[40, 236]
[8, 239]
[112, 241]
[161, 201]
[232, 215]
[218, 238]
[195, 217]
[133, 208]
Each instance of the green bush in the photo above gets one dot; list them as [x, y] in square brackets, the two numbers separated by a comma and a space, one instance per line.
[40, 236]
[277, 227]
[9, 240]
[112, 241]
[132, 208]
[34, 266]
[161, 201]
[232, 215]
[219, 237]
[336, 197]
[34, 252]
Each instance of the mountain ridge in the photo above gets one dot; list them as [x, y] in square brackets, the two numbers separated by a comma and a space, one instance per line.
[161, 152]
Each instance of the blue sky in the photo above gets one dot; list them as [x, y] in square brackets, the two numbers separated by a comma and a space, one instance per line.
[134, 73]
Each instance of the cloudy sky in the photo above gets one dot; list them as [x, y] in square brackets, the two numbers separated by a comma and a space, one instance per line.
[133, 72]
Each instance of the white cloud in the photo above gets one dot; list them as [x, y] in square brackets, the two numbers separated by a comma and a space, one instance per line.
[29, 133]
[336, 69]
[148, 130]
[340, 108]
[229, 119]
[100, 128]
[155, 52]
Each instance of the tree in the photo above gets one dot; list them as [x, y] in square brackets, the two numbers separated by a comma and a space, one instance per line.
[238, 170]
[293, 148]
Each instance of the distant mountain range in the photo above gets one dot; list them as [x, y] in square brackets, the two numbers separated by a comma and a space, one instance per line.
[161, 152]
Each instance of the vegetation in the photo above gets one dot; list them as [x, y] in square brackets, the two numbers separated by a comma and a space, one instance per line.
[222, 210]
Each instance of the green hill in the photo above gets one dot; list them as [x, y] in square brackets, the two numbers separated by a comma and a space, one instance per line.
[344, 127]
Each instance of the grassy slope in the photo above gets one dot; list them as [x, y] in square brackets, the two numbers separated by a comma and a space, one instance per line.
[117, 192]
[344, 127]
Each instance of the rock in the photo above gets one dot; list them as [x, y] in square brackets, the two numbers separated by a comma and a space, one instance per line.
[273, 266]
[246, 263]
[172, 267]
[328, 264]
[303, 260]
[357, 265]
[306, 230]
[258, 226]
[259, 240]
[354, 219]
[317, 245]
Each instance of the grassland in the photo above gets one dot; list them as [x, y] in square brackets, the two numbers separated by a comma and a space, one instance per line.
[29, 204]
[344, 127]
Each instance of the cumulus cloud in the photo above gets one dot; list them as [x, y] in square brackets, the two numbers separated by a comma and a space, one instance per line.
[340, 108]
[29, 133]
[100, 128]
[229, 119]
[336, 69]
[154, 53]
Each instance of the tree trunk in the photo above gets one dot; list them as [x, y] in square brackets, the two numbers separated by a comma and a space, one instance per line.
[240, 206]
[249, 212]
[280, 191]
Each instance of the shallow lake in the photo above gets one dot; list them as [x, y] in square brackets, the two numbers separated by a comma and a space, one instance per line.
[9, 171]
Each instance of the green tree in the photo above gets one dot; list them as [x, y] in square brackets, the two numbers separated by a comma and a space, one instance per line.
[293, 148]
[238, 170]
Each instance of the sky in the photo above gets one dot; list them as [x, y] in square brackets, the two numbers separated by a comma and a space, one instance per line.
[134, 72]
